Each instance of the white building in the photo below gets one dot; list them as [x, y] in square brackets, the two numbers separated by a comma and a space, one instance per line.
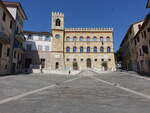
[38, 49]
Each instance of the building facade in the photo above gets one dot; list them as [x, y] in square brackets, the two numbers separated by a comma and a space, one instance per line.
[135, 47]
[142, 46]
[7, 32]
[37, 50]
[127, 47]
[80, 48]
[12, 17]
[70, 48]
[19, 15]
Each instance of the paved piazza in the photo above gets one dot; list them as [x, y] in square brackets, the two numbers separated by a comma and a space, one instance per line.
[87, 92]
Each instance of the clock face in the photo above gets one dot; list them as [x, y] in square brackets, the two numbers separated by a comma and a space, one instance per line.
[57, 36]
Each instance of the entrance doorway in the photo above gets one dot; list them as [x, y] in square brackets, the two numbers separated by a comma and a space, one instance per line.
[42, 63]
[75, 66]
[88, 63]
[28, 62]
[57, 65]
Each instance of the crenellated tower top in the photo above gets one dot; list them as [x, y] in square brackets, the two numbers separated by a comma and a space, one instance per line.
[58, 14]
[57, 21]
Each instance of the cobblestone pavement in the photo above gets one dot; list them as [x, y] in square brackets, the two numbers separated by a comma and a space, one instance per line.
[87, 92]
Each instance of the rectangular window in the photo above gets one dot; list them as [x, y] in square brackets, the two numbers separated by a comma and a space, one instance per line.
[40, 48]
[135, 42]
[11, 24]
[40, 38]
[4, 16]
[140, 52]
[15, 54]
[1, 46]
[46, 48]
[18, 56]
[17, 30]
[144, 34]
[148, 29]
[47, 38]
[8, 50]
[29, 47]
[138, 39]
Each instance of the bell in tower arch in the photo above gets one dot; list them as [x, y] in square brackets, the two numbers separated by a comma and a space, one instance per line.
[58, 22]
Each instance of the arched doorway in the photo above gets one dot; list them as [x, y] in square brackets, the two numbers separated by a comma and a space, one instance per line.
[57, 65]
[88, 63]
[75, 66]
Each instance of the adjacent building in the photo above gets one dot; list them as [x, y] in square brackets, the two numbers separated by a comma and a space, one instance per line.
[37, 50]
[7, 32]
[12, 17]
[19, 15]
[142, 46]
[135, 47]
[127, 47]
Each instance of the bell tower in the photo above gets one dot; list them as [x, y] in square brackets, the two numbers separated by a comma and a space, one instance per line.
[57, 21]
[57, 28]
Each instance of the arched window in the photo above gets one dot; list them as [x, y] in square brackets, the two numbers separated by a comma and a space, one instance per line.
[74, 38]
[94, 38]
[81, 38]
[108, 49]
[68, 38]
[88, 49]
[88, 38]
[74, 49]
[101, 39]
[68, 49]
[81, 49]
[58, 22]
[95, 49]
[108, 38]
[102, 49]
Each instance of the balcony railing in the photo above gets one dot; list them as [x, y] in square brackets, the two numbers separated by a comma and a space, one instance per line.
[20, 37]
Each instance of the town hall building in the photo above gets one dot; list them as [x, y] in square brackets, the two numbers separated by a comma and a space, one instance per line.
[78, 48]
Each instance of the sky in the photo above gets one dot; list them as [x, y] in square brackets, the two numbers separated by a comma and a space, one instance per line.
[116, 14]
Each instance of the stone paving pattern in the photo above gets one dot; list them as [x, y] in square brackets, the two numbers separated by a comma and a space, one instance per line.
[83, 95]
